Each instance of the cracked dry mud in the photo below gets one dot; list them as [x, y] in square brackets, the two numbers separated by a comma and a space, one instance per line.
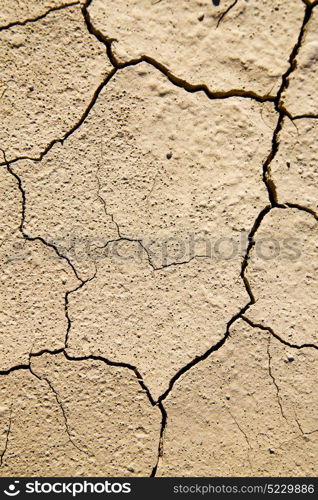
[158, 247]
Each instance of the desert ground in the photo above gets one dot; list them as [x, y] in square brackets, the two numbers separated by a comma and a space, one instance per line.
[158, 238]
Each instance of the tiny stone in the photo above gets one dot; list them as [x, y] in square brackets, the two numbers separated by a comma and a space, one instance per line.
[290, 358]
[200, 18]
[169, 156]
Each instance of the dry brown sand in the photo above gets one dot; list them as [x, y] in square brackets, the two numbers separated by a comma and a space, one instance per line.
[158, 201]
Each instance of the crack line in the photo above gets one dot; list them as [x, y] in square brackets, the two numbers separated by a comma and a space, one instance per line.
[38, 18]
[13, 369]
[303, 433]
[66, 304]
[240, 429]
[103, 202]
[7, 437]
[245, 437]
[304, 116]
[226, 12]
[273, 379]
[310, 3]
[60, 404]
[302, 208]
[277, 337]
[191, 88]
[23, 213]
[220, 344]
[72, 129]
[148, 253]
[281, 110]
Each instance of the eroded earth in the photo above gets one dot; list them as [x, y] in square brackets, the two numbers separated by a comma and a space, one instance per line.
[158, 250]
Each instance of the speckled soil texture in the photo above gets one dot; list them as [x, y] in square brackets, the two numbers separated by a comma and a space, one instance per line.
[158, 238]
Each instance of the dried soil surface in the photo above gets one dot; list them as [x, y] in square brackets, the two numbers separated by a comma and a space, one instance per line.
[158, 238]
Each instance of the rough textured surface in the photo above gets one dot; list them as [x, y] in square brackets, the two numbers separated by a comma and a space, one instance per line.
[116, 420]
[296, 374]
[33, 448]
[16, 12]
[155, 320]
[34, 282]
[225, 414]
[171, 204]
[36, 110]
[301, 96]
[172, 180]
[295, 168]
[215, 153]
[283, 275]
[224, 56]
[158, 238]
